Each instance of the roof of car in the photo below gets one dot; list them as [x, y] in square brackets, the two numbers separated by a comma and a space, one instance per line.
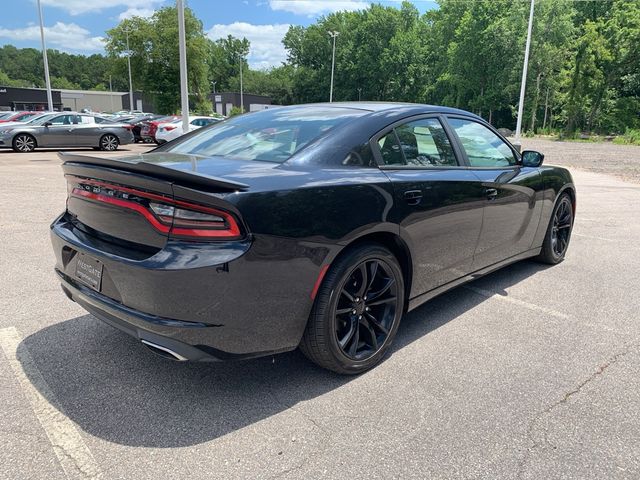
[375, 107]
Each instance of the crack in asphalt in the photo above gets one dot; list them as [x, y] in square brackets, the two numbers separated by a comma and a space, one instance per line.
[311, 420]
[532, 425]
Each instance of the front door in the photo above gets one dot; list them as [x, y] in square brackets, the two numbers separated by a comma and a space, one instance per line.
[512, 192]
[60, 132]
[438, 203]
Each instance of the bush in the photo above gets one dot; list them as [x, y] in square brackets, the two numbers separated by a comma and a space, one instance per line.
[235, 111]
[630, 137]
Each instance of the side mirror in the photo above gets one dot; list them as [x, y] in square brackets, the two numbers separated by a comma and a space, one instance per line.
[531, 158]
[47, 124]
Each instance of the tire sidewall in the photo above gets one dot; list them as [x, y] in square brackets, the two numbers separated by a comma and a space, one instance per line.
[344, 270]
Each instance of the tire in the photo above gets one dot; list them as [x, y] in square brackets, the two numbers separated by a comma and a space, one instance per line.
[109, 142]
[348, 311]
[23, 143]
[556, 240]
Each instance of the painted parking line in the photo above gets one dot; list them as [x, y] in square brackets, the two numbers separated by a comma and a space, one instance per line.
[73, 454]
[515, 301]
[592, 237]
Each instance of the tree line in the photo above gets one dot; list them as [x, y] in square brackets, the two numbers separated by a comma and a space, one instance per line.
[584, 65]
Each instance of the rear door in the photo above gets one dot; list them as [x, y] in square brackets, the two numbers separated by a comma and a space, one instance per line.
[438, 202]
[87, 131]
[511, 192]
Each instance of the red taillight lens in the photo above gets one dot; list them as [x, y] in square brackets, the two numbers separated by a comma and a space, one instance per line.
[176, 218]
[168, 128]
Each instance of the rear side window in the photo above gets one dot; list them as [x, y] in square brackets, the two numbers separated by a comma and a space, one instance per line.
[483, 147]
[272, 135]
[421, 143]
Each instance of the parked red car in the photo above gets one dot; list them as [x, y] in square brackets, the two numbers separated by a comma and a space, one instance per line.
[149, 129]
[19, 117]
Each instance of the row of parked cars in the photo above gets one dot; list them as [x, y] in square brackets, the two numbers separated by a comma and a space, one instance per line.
[26, 131]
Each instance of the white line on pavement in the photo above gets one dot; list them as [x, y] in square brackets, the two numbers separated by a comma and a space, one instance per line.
[73, 454]
[592, 237]
[522, 303]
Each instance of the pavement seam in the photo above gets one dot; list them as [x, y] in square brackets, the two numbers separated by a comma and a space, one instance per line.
[538, 416]
[74, 456]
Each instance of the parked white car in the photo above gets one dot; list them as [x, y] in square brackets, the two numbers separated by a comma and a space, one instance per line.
[169, 131]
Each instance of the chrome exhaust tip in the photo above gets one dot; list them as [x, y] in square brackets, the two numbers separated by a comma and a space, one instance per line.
[163, 351]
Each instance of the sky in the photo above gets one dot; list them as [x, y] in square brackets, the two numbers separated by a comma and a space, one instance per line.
[78, 26]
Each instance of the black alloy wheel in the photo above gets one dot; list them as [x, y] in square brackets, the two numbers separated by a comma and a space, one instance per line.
[357, 311]
[24, 143]
[561, 230]
[109, 143]
[556, 241]
[366, 309]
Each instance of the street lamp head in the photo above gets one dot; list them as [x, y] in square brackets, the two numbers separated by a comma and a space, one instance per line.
[333, 34]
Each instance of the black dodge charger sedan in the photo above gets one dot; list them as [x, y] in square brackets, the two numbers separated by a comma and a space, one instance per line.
[311, 226]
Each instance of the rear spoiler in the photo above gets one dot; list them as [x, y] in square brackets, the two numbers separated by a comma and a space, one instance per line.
[188, 179]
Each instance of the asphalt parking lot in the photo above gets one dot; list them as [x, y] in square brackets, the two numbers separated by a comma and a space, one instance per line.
[532, 372]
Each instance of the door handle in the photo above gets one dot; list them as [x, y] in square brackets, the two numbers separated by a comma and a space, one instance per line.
[492, 193]
[413, 197]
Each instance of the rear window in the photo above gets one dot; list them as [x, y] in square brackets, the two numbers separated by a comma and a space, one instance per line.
[272, 135]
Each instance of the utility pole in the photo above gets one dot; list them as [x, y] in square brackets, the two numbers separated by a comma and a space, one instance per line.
[241, 91]
[46, 61]
[184, 92]
[333, 62]
[523, 83]
[130, 81]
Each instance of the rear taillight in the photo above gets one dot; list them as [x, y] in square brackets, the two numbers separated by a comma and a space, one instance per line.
[176, 218]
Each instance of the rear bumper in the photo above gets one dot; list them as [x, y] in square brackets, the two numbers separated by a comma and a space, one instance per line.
[127, 139]
[204, 301]
[187, 340]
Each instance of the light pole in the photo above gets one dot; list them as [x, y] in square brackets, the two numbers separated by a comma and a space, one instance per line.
[46, 62]
[130, 81]
[333, 35]
[523, 83]
[241, 91]
[213, 85]
[359, 92]
[184, 93]
[111, 93]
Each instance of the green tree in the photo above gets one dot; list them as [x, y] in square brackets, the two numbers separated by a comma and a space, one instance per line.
[153, 43]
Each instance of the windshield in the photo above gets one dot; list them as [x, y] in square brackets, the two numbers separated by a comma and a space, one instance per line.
[272, 135]
[40, 119]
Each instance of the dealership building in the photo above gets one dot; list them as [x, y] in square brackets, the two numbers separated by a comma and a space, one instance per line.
[35, 99]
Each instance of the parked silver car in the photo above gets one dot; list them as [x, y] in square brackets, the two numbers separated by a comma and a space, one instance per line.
[66, 129]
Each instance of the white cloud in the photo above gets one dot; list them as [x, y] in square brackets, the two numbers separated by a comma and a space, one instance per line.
[79, 7]
[136, 12]
[67, 36]
[266, 48]
[317, 7]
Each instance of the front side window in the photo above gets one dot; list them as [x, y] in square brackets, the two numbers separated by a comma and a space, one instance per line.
[421, 143]
[483, 147]
[64, 120]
